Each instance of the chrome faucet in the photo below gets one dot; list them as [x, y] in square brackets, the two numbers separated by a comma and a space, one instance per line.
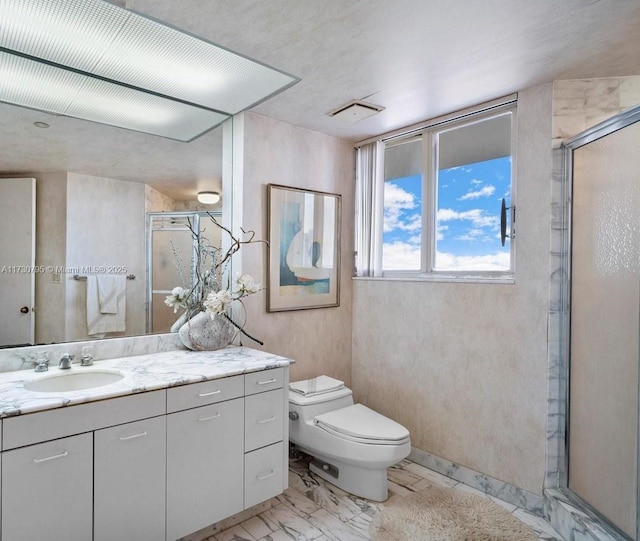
[65, 361]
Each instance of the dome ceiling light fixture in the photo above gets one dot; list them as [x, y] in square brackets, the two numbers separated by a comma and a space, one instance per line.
[208, 198]
[94, 60]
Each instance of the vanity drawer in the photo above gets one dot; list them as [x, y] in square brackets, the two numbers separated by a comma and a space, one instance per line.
[263, 420]
[207, 392]
[263, 474]
[60, 422]
[266, 380]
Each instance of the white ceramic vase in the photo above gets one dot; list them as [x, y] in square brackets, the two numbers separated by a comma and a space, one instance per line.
[202, 333]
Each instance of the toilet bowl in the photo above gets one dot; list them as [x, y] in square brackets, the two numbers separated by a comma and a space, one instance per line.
[352, 445]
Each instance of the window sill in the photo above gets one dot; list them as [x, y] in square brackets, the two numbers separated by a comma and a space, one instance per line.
[508, 278]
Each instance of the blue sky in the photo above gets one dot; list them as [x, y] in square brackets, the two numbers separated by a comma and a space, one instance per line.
[468, 218]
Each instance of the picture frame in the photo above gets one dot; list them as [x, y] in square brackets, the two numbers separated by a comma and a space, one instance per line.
[303, 268]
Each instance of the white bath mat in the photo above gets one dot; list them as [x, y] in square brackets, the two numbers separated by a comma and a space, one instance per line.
[445, 514]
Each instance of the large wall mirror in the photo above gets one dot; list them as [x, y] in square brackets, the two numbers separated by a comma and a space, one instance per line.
[94, 188]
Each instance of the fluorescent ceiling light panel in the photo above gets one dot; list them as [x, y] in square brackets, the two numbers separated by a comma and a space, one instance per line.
[106, 41]
[45, 87]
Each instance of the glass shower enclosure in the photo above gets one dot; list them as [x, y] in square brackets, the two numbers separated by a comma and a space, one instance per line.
[171, 253]
[603, 325]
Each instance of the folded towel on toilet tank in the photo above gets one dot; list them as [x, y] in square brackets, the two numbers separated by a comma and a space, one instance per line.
[321, 384]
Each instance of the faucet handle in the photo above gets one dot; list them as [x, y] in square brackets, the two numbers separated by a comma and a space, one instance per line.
[42, 362]
[86, 359]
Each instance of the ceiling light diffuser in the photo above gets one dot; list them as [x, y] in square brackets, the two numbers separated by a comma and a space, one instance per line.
[92, 45]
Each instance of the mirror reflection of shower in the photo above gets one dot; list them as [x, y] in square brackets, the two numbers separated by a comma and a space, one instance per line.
[171, 252]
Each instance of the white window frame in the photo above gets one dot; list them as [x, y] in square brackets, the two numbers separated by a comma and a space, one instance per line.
[430, 133]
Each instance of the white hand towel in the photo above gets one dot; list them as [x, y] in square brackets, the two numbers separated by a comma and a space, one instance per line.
[319, 385]
[98, 322]
[109, 288]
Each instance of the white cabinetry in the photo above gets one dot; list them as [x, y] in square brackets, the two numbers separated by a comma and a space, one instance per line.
[47, 491]
[149, 466]
[129, 481]
[265, 434]
[47, 486]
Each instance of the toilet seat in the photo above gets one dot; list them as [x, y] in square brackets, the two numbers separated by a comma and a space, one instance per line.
[362, 425]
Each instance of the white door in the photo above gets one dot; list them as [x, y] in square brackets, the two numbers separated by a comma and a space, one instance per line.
[17, 260]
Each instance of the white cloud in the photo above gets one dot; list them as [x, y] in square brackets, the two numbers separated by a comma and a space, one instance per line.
[475, 216]
[401, 256]
[485, 191]
[490, 262]
[396, 202]
[474, 235]
[475, 181]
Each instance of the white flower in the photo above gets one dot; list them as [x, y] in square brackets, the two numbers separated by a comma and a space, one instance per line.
[218, 303]
[247, 285]
[176, 299]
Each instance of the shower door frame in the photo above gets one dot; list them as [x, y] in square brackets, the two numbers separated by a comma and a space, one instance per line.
[615, 123]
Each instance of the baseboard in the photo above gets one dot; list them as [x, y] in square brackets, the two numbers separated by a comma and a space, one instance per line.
[494, 487]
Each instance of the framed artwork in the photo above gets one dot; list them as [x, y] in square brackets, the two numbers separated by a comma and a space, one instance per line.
[304, 249]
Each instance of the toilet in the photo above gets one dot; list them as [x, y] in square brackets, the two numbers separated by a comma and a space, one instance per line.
[352, 445]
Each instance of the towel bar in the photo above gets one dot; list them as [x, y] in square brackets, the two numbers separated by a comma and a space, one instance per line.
[84, 278]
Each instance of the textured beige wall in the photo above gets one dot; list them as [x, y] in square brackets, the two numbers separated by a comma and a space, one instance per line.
[51, 211]
[154, 201]
[319, 340]
[464, 366]
[105, 226]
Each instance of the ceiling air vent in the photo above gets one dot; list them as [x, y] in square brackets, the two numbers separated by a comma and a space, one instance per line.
[356, 110]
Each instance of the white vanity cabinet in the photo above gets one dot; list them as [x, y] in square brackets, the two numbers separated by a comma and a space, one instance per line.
[148, 466]
[47, 491]
[129, 481]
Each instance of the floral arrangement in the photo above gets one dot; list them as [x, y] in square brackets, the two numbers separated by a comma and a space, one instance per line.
[211, 267]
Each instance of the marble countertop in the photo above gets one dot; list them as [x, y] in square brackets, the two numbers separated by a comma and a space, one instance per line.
[141, 373]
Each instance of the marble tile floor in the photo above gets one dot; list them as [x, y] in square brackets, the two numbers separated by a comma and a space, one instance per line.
[312, 509]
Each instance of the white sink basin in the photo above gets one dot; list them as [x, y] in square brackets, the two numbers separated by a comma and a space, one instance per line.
[73, 381]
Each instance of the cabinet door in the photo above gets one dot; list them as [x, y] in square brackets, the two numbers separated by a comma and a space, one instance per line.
[204, 466]
[47, 491]
[129, 481]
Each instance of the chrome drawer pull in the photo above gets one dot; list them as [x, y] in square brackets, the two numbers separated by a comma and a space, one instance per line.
[209, 418]
[266, 475]
[133, 436]
[38, 460]
[272, 380]
[263, 421]
[202, 395]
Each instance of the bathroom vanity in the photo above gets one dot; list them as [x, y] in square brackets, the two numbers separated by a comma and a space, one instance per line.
[182, 440]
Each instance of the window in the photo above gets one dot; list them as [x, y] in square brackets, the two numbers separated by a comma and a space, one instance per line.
[442, 190]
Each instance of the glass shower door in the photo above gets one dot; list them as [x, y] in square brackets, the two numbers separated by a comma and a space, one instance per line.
[604, 327]
[170, 252]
